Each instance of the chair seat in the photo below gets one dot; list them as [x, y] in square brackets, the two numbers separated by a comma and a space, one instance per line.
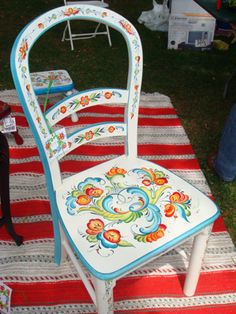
[62, 81]
[116, 224]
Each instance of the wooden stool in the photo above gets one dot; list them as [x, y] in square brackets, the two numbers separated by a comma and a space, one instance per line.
[62, 83]
[4, 182]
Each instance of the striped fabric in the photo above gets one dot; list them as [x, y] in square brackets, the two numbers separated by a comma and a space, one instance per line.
[41, 287]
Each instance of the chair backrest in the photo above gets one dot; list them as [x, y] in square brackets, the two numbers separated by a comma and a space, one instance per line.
[42, 123]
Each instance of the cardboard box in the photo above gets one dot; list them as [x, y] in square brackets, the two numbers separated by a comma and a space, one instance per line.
[190, 26]
[190, 32]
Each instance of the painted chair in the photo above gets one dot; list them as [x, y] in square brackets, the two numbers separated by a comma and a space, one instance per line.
[121, 214]
[76, 36]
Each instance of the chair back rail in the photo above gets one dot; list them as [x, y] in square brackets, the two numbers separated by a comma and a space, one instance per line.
[85, 99]
[92, 133]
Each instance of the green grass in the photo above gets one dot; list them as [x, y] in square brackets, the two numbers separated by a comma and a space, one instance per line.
[193, 80]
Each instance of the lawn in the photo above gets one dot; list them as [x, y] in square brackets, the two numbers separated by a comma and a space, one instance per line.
[193, 80]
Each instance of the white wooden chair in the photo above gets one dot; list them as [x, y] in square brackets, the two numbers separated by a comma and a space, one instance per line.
[125, 212]
[69, 35]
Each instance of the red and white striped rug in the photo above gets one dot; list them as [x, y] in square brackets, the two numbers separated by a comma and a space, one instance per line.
[41, 287]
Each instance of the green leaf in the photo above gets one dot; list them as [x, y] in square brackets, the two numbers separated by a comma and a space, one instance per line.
[89, 185]
[125, 243]
[140, 238]
[92, 96]
[132, 216]
[159, 193]
[75, 193]
[92, 238]
[159, 174]
[79, 139]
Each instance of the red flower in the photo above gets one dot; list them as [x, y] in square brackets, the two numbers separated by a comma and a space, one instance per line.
[71, 11]
[114, 171]
[127, 27]
[63, 109]
[161, 181]
[95, 226]
[178, 197]
[111, 129]
[40, 25]
[23, 49]
[154, 236]
[94, 192]
[108, 95]
[84, 100]
[83, 200]
[146, 182]
[169, 210]
[112, 235]
[61, 136]
[154, 178]
[89, 135]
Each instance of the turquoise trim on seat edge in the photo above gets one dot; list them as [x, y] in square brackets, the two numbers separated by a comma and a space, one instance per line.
[144, 258]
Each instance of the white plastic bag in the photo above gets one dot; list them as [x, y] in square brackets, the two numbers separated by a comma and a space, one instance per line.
[156, 19]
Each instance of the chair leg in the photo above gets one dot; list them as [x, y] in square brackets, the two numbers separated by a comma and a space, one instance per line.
[108, 35]
[95, 31]
[74, 116]
[104, 295]
[68, 27]
[56, 230]
[70, 35]
[64, 33]
[57, 241]
[197, 255]
[63, 240]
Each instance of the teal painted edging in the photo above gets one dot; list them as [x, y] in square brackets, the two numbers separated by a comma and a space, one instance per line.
[144, 258]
